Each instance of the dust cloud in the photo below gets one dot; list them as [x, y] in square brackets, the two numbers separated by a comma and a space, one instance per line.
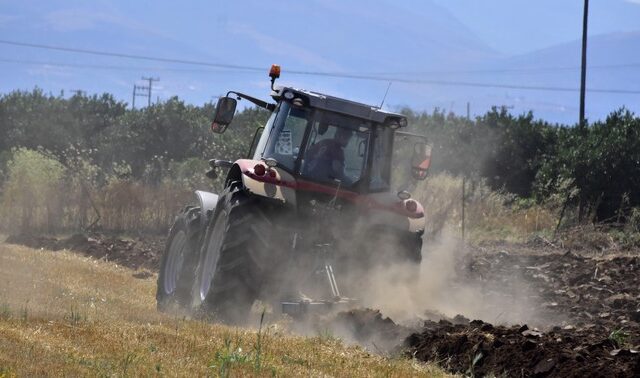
[446, 288]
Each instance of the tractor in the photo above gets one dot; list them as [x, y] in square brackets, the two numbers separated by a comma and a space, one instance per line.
[305, 217]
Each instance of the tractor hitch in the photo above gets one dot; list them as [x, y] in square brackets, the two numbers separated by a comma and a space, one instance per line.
[298, 309]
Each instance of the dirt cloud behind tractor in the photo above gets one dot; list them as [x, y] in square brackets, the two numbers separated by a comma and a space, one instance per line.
[445, 288]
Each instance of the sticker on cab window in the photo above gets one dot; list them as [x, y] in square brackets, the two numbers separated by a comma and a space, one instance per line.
[284, 145]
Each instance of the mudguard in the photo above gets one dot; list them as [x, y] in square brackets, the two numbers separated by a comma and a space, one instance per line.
[208, 202]
[279, 185]
[387, 210]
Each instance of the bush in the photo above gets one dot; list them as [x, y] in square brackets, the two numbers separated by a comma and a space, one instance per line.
[32, 192]
[596, 168]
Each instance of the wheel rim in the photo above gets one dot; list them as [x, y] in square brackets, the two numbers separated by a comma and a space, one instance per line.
[211, 257]
[174, 264]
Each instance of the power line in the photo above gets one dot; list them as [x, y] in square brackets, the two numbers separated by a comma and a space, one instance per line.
[511, 70]
[253, 68]
[112, 67]
[476, 84]
[225, 70]
[330, 74]
[131, 56]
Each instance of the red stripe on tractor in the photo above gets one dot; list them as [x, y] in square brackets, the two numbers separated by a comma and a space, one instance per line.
[359, 199]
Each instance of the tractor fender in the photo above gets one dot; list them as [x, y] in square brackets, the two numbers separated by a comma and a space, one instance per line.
[208, 202]
[389, 212]
[277, 184]
[395, 221]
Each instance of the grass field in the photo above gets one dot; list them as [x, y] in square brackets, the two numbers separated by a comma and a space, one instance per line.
[66, 315]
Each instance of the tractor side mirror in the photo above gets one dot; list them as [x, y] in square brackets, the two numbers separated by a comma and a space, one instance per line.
[225, 110]
[420, 161]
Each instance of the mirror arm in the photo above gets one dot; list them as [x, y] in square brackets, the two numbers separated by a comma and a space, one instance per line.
[406, 133]
[258, 102]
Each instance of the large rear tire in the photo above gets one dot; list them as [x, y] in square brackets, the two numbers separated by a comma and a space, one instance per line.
[177, 266]
[238, 252]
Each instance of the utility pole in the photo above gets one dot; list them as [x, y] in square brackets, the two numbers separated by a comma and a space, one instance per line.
[139, 91]
[468, 110]
[143, 91]
[149, 87]
[583, 73]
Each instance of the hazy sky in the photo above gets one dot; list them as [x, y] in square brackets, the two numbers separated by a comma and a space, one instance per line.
[519, 26]
[438, 53]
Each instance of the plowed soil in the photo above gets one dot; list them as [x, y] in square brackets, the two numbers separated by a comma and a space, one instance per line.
[586, 322]
[588, 317]
[142, 253]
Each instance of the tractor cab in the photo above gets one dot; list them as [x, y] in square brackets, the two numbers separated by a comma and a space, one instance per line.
[327, 140]
[320, 144]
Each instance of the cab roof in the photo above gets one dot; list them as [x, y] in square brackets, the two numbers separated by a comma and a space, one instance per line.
[338, 105]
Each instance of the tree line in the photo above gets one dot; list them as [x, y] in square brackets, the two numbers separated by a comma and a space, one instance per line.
[595, 169]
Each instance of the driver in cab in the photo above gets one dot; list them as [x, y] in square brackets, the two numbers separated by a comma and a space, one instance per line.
[326, 158]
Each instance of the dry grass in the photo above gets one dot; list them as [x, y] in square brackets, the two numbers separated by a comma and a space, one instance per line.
[123, 205]
[488, 215]
[66, 315]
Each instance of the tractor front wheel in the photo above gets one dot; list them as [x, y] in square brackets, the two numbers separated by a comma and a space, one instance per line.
[179, 260]
[236, 256]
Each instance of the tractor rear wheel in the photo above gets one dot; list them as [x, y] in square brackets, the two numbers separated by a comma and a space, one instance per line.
[238, 252]
[179, 260]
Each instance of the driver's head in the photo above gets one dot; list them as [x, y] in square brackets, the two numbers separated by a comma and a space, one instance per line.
[343, 136]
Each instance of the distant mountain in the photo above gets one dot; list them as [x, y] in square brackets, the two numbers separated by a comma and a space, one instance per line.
[613, 62]
[425, 45]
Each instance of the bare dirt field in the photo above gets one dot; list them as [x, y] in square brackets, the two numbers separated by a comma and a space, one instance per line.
[585, 309]
[546, 310]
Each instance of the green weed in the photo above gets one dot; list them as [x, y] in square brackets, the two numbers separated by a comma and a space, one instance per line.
[619, 337]
[227, 357]
[325, 336]
[75, 317]
[127, 361]
[6, 372]
[258, 346]
[5, 311]
[24, 311]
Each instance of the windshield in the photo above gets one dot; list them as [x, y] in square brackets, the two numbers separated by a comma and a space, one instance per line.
[319, 145]
[337, 149]
[286, 135]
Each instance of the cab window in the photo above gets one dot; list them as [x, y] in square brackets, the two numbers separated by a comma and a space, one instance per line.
[336, 150]
[288, 133]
